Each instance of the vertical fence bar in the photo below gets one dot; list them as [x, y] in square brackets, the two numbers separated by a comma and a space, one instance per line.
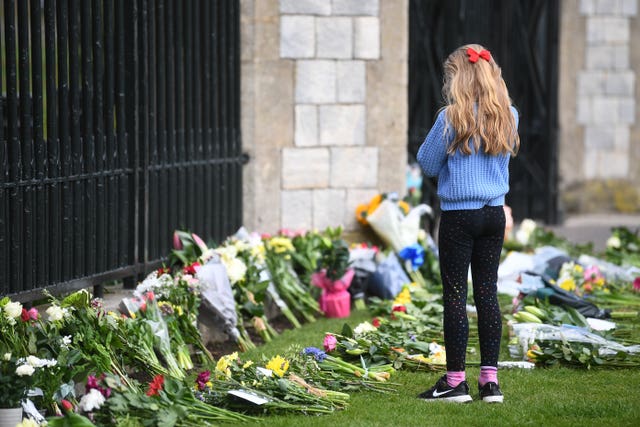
[123, 161]
[143, 194]
[160, 230]
[53, 159]
[180, 115]
[111, 152]
[189, 110]
[88, 139]
[196, 172]
[4, 178]
[237, 135]
[171, 117]
[65, 146]
[77, 159]
[216, 124]
[13, 139]
[152, 141]
[224, 112]
[206, 26]
[41, 232]
[26, 147]
[98, 130]
[132, 112]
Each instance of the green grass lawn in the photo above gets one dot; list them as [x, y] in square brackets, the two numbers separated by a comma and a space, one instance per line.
[550, 397]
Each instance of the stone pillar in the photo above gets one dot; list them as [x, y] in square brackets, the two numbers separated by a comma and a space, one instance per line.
[324, 108]
[598, 106]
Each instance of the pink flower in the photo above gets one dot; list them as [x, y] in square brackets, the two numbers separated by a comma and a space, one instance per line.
[201, 244]
[592, 273]
[177, 243]
[330, 342]
[66, 405]
[203, 378]
[636, 284]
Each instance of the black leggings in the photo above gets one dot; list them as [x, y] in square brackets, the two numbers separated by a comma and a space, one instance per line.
[471, 237]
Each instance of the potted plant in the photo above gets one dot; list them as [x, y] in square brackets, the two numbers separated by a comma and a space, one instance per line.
[334, 275]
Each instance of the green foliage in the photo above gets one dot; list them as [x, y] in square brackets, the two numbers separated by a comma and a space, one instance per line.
[335, 253]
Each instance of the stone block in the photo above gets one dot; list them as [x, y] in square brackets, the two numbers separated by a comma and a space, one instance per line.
[387, 105]
[328, 208]
[306, 133]
[621, 137]
[600, 57]
[296, 209]
[266, 22]
[297, 36]
[629, 7]
[583, 110]
[334, 38]
[620, 57]
[605, 110]
[355, 7]
[591, 82]
[614, 164]
[354, 167]
[308, 7]
[392, 172]
[598, 138]
[273, 86]
[342, 125]
[620, 83]
[587, 7]
[305, 168]
[351, 81]
[608, 7]
[627, 110]
[366, 43]
[315, 81]
[394, 30]
[607, 29]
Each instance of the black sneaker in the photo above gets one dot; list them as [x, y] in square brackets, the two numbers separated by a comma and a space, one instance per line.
[443, 392]
[491, 393]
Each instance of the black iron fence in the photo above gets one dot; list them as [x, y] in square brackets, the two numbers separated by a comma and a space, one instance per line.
[120, 123]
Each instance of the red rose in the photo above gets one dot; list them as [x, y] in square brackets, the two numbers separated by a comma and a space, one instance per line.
[66, 405]
[376, 322]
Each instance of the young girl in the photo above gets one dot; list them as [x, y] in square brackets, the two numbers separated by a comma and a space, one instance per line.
[468, 149]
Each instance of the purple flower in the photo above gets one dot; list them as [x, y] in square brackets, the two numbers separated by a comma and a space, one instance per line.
[317, 354]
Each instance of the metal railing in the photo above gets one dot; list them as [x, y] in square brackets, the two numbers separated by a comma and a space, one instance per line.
[120, 123]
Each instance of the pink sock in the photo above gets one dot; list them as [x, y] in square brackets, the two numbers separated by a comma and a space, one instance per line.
[455, 377]
[488, 374]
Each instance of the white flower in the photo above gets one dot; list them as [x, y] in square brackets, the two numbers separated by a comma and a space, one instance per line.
[12, 310]
[614, 242]
[34, 361]
[363, 328]
[25, 370]
[236, 269]
[66, 341]
[56, 313]
[92, 400]
[7, 356]
[525, 230]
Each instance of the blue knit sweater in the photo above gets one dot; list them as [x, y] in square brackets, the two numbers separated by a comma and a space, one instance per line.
[464, 181]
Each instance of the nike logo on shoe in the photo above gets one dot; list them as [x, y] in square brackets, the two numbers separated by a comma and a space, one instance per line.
[438, 394]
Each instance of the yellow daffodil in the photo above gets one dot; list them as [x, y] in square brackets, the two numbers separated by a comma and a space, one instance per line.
[278, 365]
[404, 297]
[247, 364]
[568, 284]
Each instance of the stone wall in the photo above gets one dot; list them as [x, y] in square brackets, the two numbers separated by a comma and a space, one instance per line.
[324, 108]
[599, 96]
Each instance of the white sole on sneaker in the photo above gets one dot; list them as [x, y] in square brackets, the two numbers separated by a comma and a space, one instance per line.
[453, 399]
[493, 399]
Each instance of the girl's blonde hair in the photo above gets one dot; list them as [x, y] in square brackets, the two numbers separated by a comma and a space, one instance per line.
[479, 107]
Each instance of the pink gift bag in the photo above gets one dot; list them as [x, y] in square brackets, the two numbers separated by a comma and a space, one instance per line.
[335, 300]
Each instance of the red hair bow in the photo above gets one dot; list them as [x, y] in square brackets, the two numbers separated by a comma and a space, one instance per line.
[475, 55]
